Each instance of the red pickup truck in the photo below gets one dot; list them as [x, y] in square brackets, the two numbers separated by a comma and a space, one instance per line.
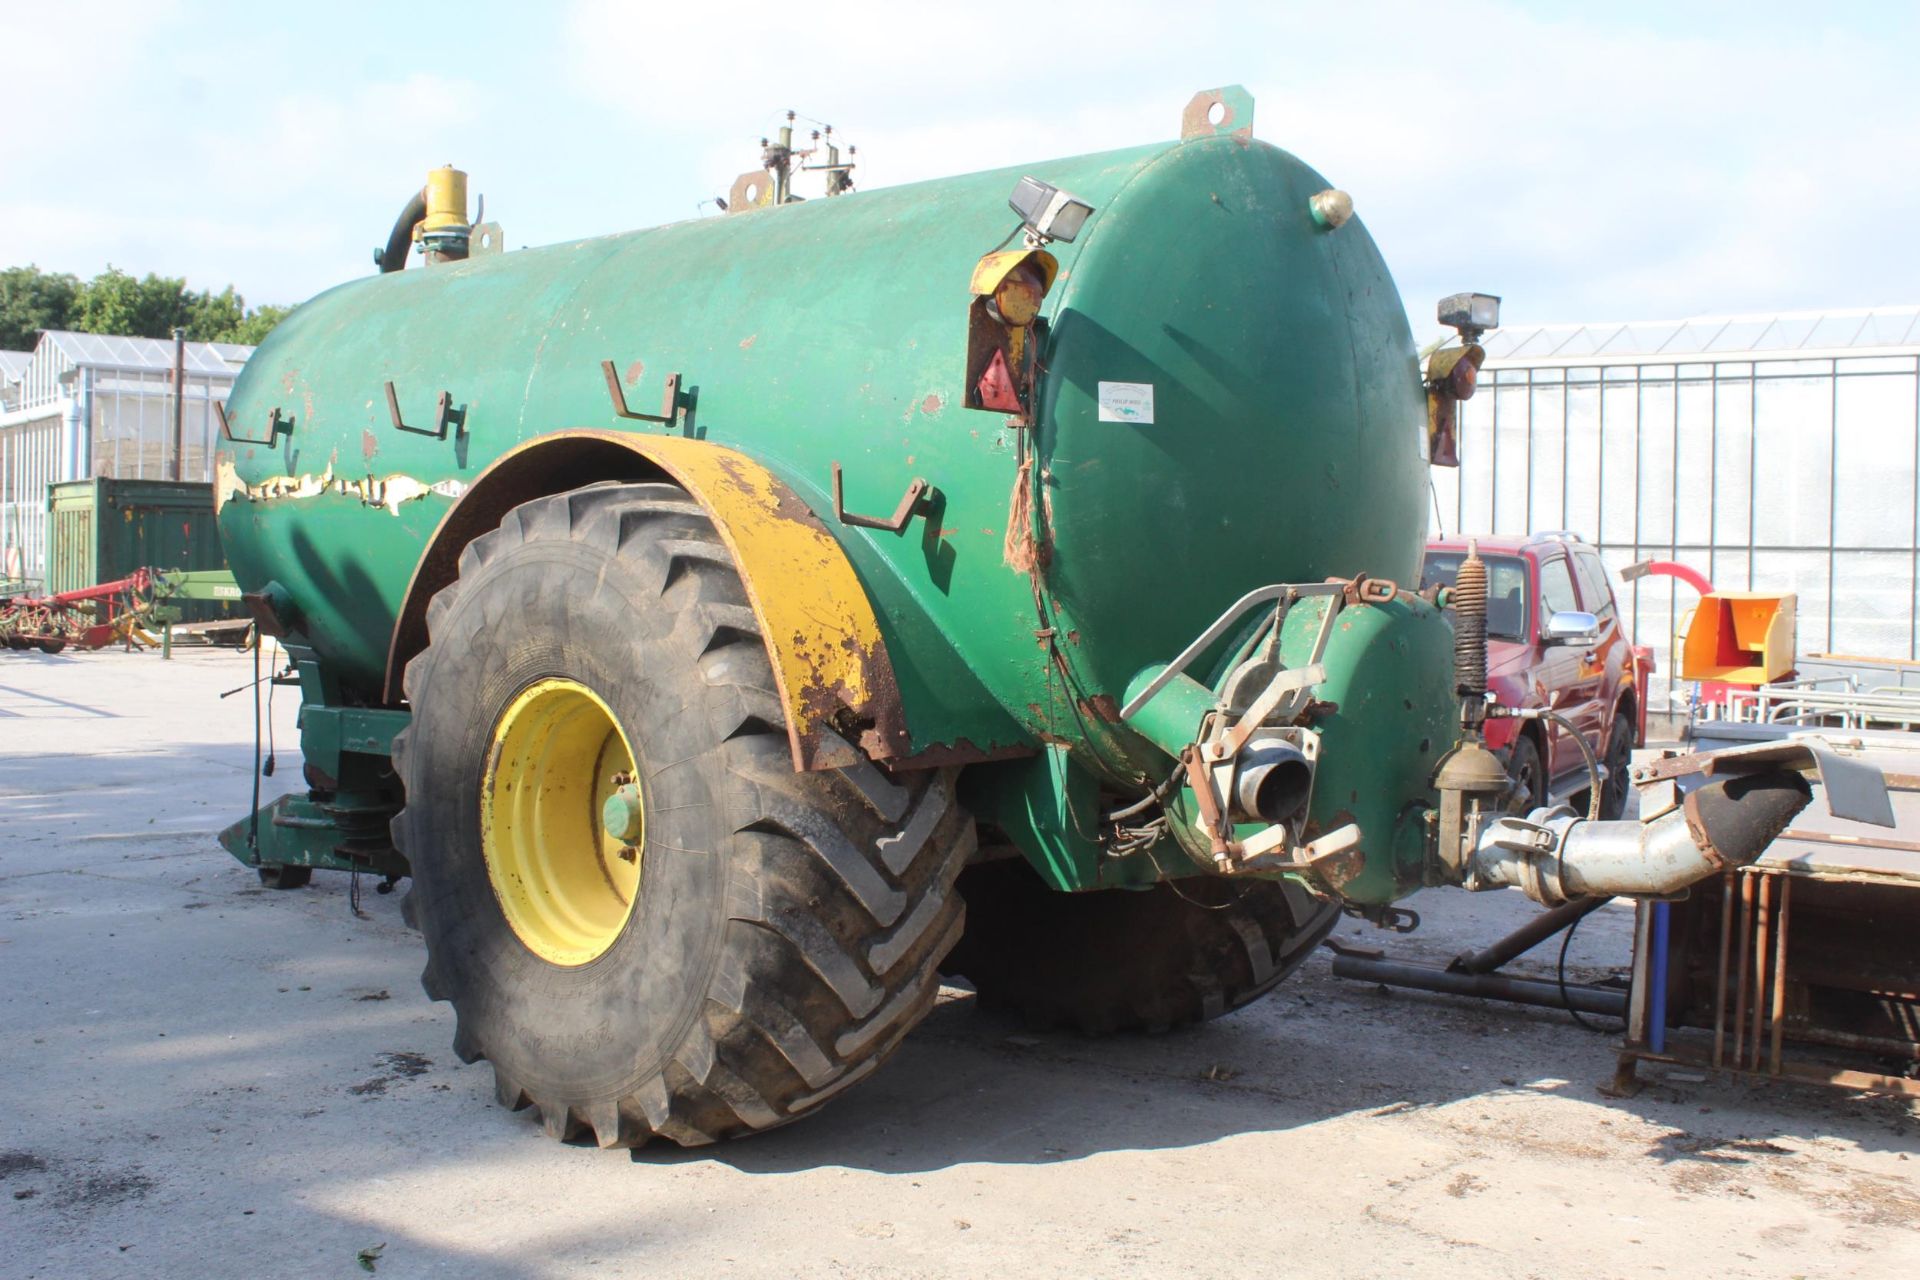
[1554, 640]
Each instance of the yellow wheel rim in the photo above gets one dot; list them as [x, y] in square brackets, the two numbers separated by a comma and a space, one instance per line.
[564, 881]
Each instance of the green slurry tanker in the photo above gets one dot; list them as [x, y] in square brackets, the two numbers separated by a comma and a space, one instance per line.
[733, 626]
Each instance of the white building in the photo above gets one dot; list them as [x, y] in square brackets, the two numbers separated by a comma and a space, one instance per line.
[13, 369]
[1771, 452]
[82, 405]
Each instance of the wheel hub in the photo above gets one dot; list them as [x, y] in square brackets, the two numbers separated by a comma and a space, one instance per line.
[562, 822]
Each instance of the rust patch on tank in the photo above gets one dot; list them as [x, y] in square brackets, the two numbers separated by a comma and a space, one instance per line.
[634, 370]
[1341, 869]
[1101, 706]
[748, 341]
[960, 751]
[369, 445]
[932, 404]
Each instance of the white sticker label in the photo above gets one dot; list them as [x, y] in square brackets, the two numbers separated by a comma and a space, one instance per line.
[1126, 402]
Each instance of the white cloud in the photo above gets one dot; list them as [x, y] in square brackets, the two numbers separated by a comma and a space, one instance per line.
[1584, 162]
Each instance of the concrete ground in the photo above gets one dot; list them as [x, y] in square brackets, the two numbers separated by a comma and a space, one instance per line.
[203, 1078]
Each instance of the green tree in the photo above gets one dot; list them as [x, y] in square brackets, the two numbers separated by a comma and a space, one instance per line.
[224, 317]
[32, 300]
[117, 302]
[253, 329]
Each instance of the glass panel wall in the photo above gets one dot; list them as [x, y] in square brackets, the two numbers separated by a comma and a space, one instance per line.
[1766, 475]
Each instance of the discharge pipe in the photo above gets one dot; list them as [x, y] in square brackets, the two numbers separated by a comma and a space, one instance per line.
[1555, 857]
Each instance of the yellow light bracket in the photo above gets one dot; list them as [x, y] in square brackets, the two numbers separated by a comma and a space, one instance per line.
[1008, 289]
[1452, 375]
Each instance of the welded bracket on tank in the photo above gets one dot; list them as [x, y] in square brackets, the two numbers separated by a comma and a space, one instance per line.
[277, 426]
[669, 398]
[915, 500]
[1226, 112]
[444, 416]
[485, 238]
[1335, 857]
[1288, 592]
[1287, 684]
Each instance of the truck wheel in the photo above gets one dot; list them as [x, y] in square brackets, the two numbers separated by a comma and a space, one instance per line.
[643, 917]
[1528, 774]
[1618, 760]
[1123, 959]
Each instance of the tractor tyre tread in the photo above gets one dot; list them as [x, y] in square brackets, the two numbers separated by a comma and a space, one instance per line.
[836, 896]
[1117, 960]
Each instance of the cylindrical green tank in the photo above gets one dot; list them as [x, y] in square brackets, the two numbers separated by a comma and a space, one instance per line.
[1284, 442]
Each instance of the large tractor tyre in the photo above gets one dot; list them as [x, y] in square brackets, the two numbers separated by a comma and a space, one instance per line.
[643, 917]
[1123, 960]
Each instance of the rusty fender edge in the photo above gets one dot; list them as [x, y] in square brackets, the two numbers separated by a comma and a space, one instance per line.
[830, 664]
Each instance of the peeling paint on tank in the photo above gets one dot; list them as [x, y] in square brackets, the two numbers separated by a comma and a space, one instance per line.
[389, 492]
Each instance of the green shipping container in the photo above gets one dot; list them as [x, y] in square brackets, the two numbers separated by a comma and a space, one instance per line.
[100, 530]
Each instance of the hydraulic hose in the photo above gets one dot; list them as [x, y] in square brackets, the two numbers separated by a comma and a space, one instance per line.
[1587, 755]
[400, 239]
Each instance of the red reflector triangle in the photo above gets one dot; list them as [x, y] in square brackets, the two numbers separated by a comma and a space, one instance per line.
[996, 386]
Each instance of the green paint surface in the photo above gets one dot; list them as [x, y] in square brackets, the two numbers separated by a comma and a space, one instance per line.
[1285, 443]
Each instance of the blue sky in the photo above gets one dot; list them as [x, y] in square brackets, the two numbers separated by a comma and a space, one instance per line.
[1589, 162]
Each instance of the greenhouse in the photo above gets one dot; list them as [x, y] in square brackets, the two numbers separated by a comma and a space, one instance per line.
[1772, 453]
[83, 404]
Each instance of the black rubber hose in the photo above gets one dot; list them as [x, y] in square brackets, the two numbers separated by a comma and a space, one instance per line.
[1738, 817]
[400, 239]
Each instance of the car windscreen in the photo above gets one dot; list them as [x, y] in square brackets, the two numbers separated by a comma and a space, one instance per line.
[1506, 589]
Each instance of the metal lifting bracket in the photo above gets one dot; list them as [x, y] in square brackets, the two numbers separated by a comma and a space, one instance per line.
[669, 400]
[276, 426]
[444, 415]
[912, 502]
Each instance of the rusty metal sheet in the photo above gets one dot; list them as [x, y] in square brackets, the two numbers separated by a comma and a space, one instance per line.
[1854, 788]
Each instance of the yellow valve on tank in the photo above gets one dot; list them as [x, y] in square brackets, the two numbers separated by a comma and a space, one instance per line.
[444, 232]
[446, 200]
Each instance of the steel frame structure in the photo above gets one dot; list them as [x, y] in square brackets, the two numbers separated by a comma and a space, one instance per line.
[1773, 453]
